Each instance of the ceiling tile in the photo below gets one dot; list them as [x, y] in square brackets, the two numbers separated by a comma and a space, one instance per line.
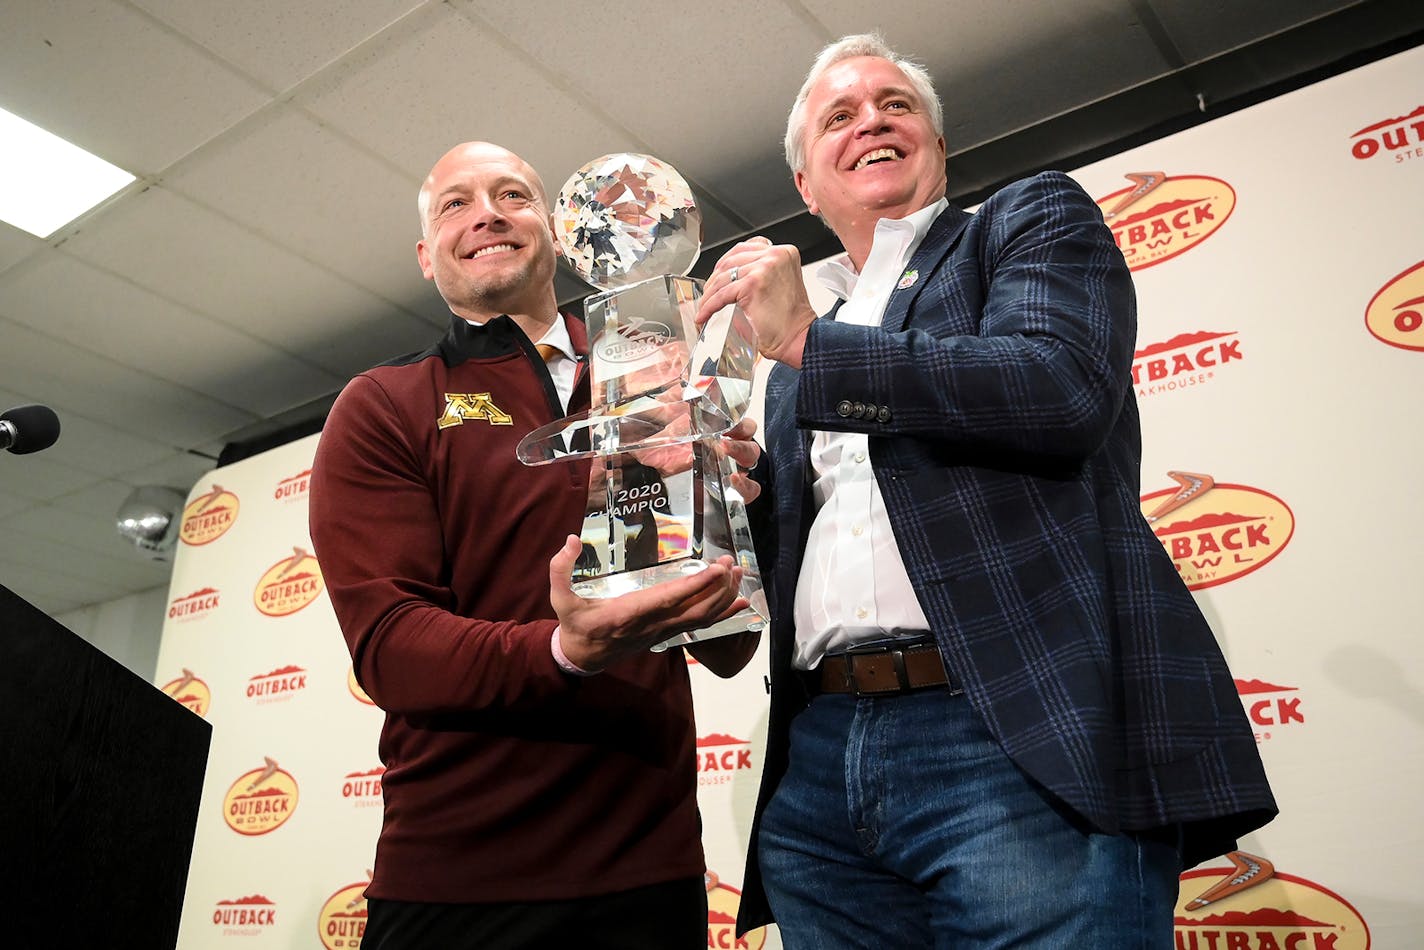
[1203, 28]
[107, 315]
[297, 306]
[686, 91]
[1001, 66]
[53, 372]
[93, 447]
[410, 97]
[16, 245]
[301, 185]
[277, 41]
[37, 478]
[109, 78]
[49, 590]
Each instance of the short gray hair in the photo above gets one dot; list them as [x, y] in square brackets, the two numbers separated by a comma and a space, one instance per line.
[849, 47]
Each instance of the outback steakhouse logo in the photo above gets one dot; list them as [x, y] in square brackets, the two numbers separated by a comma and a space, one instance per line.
[1159, 217]
[277, 685]
[187, 690]
[1186, 360]
[1268, 706]
[1252, 906]
[294, 488]
[1396, 313]
[289, 585]
[244, 917]
[363, 788]
[260, 801]
[208, 516]
[1402, 138]
[342, 920]
[720, 757]
[722, 903]
[1216, 532]
[195, 605]
[355, 688]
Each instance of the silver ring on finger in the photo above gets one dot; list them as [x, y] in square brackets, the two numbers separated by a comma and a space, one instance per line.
[732, 277]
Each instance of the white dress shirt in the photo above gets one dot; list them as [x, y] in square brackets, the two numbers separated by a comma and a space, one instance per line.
[853, 587]
[564, 366]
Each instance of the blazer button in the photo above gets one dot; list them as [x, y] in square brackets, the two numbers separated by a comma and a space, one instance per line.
[870, 409]
[843, 408]
[858, 410]
[883, 415]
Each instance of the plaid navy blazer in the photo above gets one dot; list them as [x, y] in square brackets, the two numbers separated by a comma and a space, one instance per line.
[1008, 457]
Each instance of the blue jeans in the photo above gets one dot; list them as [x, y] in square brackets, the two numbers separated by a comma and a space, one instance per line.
[900, 823]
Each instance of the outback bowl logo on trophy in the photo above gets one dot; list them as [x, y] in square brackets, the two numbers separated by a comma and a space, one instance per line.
[661, 500]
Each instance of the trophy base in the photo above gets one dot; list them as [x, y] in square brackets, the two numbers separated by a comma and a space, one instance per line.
[753, 619]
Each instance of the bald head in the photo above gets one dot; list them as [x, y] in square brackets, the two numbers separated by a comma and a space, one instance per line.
[471, 155]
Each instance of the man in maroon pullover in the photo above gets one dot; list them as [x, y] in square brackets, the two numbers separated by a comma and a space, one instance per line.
[540, 787]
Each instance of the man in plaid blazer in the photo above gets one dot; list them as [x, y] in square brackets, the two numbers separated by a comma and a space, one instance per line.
[998, 717]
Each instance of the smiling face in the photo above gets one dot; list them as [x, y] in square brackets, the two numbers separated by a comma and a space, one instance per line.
[871, 151]
[488, 244]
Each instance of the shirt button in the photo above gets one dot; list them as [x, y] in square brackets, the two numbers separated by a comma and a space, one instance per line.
[861, 613]
[860, 456]
[858, 530]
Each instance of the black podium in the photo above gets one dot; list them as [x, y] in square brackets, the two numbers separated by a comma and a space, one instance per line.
[102, 779]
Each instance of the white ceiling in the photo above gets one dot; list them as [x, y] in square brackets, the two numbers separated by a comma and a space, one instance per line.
[266, 252]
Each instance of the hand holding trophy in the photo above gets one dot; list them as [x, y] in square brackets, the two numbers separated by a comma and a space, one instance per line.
[661, 499]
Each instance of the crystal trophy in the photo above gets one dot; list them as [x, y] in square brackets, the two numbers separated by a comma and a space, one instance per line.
[661, 502]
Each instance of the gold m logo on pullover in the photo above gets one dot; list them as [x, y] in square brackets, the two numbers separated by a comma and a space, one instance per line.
[460, 407]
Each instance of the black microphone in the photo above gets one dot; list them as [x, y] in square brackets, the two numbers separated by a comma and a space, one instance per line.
[27, 429]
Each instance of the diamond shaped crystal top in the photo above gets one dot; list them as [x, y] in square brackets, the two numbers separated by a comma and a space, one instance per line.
[625, 218]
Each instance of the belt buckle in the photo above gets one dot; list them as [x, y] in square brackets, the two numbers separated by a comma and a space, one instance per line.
[897, 659]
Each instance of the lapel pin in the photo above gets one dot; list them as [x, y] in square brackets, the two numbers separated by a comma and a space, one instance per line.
[908, 279]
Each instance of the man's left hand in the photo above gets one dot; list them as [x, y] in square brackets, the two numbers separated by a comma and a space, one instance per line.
[764, 279]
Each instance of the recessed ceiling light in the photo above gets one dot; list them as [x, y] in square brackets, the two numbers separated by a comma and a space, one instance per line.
[46, 182]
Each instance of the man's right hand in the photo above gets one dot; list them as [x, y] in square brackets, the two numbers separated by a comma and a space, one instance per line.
[594, 634]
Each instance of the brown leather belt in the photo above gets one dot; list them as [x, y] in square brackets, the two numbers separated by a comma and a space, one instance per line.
[882, 672]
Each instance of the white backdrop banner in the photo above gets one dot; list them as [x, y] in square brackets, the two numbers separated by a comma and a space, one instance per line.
[1278, 254]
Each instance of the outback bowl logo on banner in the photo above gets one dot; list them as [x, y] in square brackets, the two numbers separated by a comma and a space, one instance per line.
[245, 916]
[261, 800]
[342, 920]
[1186, 360]
[1269, 706]
[278, 685]
[200, 603]
[208, 516]
[1217, 532]
[294, 488]
[720, 757]
[363, 789]
[289, 585]
[1396, 314]
[187, 690]
[1400, 138]
[1158, 217]
[1252, 906]
[355, 688]
[722, 904]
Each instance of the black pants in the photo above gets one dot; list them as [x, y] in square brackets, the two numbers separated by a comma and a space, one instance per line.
[671, 916]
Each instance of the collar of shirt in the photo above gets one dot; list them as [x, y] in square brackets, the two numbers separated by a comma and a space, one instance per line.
[891, 234]
[556, 336]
